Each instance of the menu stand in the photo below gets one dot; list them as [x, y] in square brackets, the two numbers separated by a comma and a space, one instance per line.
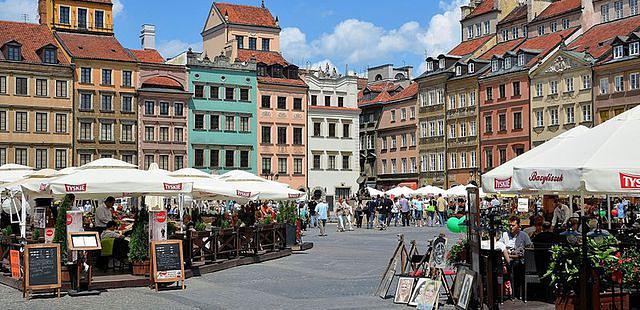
[81, 243]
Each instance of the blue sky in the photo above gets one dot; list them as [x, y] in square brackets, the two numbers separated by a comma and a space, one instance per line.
[359, 33]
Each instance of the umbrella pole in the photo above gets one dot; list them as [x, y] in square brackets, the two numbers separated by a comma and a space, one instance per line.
[23, 218]
[181, 209]
[609, 211]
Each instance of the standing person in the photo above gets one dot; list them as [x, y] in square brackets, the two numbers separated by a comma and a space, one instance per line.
[359, 210]
[417, 205]
[104, 215]
[322, 212]
[372, 205]
[387, 209]
[495, 202]
[348, 212]
[516, 241]
[382, 213]
[312, 213]
[431, 210]
[561, 214]
[302, 213]
[442, 208]
[340, 215]
[394, 213]
[404, 208]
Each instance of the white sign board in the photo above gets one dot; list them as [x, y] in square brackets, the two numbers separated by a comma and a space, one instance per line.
[523, 205]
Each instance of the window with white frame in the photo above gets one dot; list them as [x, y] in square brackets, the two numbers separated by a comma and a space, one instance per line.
[384, 144]
[472, 128]
[458, 70]
[570, 115]
[586, 81]
[463, 129]
[634, 48]
[432, 162]
[393, 115]
[554, 26]
[553, 112]
[604, 12]
[514, 32]
[617, 6]
[423, 129]
[442, 63]
[619, 83]
[633, 7]
[494, 65]
[568, 84]
[432, 129]
[394, 162]
[403, 140]
[538, 89]
[412, 112]
[463, 100]
[553, 87]
[487, 27]
[521, 59]
[413, 139]
[539, 118]
[394, 142]
[452, 102]
[507, 63]
[471, 68]
[452, 131]
[478, 30]
[383, 166]
[604, 86]
[472, 156]
[441, 162]
[504, 34]
[413, 166]
[441, 128]
[541, 30]
[463, 160]
[106, 132]
[618, 51]
[453, 160]
[634, 80]
[472, 98]
[403, 114]
[423, 163]
[469, 32]
[403, 165]
[429, 66]
[565, 23]
[586, 113]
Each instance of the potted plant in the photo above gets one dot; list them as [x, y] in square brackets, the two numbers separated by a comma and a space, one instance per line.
[458, 252]
[60, 235]
[139, 245]
[288, 216]
[606, 262]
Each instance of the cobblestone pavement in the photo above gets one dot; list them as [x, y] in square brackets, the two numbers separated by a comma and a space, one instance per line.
[340, 272]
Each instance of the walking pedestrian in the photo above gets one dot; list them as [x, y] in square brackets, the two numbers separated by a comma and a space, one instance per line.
[382, 213]
[340, 214]
[431, 210]
[372, 205]
[312, 213]
[359, 210]
[394, 213]
[348, 212]
[322, 211]
[442, 208]
[404, 208]
[417, 205]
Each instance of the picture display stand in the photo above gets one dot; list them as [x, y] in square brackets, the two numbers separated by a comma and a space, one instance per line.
[42, 268]
[167, 262]
[400, 255]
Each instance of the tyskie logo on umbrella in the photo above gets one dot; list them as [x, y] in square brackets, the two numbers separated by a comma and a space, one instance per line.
[243, 194]
[502, 183]
[172, 187]
[629, 181]
[546, 178]
[295, 195]
[69, 188]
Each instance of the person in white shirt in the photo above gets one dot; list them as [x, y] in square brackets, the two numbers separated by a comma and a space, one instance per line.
[103, 214]
[348, 213]
[322, 211]
[561, 214]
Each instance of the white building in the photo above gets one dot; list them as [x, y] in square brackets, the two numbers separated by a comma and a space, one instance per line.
[333, 130]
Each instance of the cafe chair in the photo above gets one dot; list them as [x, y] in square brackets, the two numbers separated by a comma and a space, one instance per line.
[530, 270]
[106, 253]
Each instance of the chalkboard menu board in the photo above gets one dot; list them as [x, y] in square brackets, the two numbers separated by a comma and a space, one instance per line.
[167, 262]
[42, 267]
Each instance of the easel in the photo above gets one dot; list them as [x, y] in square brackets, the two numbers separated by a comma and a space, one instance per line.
[390, 272]
[83, 256]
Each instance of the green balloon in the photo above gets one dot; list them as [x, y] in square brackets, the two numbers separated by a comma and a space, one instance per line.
[462, 225]
[453, 224]
[603, 213]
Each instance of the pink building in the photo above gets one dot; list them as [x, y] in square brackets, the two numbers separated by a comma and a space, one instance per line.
[162, 112]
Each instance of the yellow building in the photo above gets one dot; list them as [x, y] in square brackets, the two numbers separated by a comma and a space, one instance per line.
[36, 87]
[94, 16]
[561, 96]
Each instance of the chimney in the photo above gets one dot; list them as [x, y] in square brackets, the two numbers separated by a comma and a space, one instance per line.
[42, 12]
[148, 37]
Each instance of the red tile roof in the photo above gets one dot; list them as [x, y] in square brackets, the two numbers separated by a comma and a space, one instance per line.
[484, 7]
[362, 83]
[89, 46]
[99, 1]
[32, 37]
[246, 15]
[544, 44]
[409, 92]
[596, 40]
[149, 56]
[382, 97]
[468, 47]
[501, 48]
[559, 7]
[384, 86]
[520, 12]
[163, 82]
[268, 58]
[282, 81]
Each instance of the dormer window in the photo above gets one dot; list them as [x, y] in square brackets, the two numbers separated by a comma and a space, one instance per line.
[634, 48]
[441, 64]
[618, 51]
[471, 67]
[521, 59]
[429, 66]
[507, 63]
[262, 70]
[458, 70]
[49, 56]
[494, 65]
[14, 52]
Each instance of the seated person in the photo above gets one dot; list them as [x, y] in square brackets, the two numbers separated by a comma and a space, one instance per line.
[111, 232]
[536, 228]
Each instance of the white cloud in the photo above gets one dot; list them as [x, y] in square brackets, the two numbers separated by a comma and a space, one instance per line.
[15, 10]
[360, 43]
[174, 47]
[118, 7]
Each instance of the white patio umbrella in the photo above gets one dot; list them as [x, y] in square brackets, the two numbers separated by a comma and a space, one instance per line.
[13, 172]
[249, 185]
[457, 191]
[500, 179]
[400, 190]
[113, 177]
[430, 190]
[604, 161]
[208, 186]
[155, 203]
[374, 192]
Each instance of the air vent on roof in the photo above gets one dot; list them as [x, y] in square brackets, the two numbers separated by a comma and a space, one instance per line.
[113, 50]
[80, 47]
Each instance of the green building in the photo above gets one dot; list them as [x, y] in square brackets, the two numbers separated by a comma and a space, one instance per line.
[222, 113]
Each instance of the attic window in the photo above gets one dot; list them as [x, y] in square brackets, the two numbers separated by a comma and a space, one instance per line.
[521, 60]
[429, 66]
[507, 63]
[618, 51]
[471, 67]
[442, 64]
[634, 48]
[14, 53]
[458, 70]
[49, 56]
[494, 65]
